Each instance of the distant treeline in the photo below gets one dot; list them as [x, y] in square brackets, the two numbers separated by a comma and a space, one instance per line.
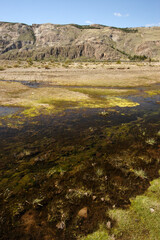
[132, 58]
[87, 26]
[127, 30]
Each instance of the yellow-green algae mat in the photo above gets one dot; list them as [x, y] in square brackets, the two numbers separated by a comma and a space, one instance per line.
[140, 221]
[49, 100]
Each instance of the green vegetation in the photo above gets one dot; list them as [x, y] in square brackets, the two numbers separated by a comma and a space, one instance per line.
[118, 62]
[153, 92]
[87, 26]
[138, 58]
[2, 68]
[126, 30]
[132, 58]
[30, 61]
[16, 65]
[140, 173]
[57, 163]
[27, 36]
[101, 234]
[47, 67]
[141, 221]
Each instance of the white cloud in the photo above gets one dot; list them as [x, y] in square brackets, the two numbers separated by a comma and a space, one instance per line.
[88, 22]
[117, 14]
[121, 15]
[152, 24]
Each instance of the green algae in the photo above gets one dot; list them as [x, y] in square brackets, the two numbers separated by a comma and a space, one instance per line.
[51, 100]
[153, 92]
[109, 102]
[4, 182]
[16, 209]
[98, 92]
[69, 161]
[55, 170]
[121, 102]
[51, 106]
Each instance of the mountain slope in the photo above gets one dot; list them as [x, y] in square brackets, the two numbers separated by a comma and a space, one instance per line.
[41, 41]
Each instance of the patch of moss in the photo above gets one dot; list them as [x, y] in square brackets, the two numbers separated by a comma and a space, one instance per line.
[153, 92]
[121, 102]
[25, 182]
[141, 220]
[101, 234]
[37, 110]
[98, 92]
[58, 103]
[3, 182]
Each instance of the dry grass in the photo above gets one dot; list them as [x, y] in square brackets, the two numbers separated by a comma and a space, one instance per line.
[91, 74]
[99, 74]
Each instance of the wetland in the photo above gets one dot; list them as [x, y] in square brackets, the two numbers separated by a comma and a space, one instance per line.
[80, 152]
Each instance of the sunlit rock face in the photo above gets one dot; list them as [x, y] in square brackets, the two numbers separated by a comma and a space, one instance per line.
[42, 41]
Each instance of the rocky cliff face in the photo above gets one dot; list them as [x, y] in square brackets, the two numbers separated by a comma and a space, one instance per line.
[42, 41]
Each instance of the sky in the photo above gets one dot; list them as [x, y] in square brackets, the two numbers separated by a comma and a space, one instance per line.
[117, 13]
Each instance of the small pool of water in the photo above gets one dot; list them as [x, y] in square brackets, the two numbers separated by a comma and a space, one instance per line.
[4, 111]
[31, 84]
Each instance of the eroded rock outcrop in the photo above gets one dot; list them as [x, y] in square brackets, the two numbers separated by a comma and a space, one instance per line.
[42, 41]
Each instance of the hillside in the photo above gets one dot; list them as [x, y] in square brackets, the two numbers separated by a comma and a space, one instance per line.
[43, 41]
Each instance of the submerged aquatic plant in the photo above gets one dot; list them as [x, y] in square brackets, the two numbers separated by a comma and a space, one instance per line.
[121, 102]
[99, 172]
[103, 113]
[140, 173]
[78, 193]
[55, 170]
[151, 141]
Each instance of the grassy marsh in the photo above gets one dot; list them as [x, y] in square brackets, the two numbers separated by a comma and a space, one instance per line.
[76, 147]
[51, 99]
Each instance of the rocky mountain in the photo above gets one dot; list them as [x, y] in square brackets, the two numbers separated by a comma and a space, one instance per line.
[43, 41]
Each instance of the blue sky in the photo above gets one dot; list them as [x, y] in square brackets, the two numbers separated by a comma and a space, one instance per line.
[118, 13]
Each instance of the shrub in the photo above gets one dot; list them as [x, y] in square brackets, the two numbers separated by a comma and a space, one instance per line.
[138, 58]
[118, 62]
[29, 61]
[2, 68]
[46, 67]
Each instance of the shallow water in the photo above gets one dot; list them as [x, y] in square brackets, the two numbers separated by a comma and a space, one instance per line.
[31, 84]
[37, 84]
[4, 111]
[55, 165]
